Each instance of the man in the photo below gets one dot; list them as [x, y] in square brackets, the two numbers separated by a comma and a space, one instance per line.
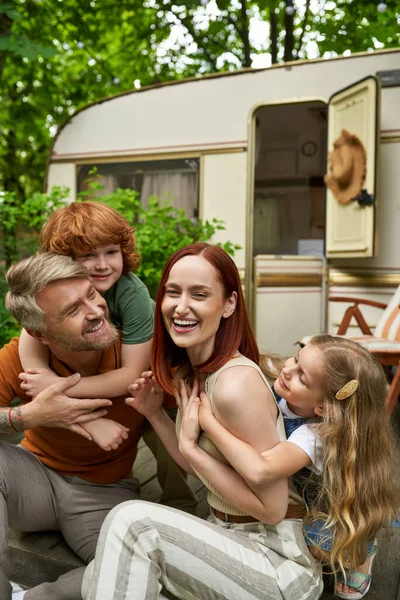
[59, 479]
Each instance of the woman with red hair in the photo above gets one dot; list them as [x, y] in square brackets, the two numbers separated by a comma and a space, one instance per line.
[252, 545]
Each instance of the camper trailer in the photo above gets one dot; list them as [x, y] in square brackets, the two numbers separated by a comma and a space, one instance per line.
[252, 148]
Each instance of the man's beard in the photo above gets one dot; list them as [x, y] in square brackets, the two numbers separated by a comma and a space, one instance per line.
[82, 344]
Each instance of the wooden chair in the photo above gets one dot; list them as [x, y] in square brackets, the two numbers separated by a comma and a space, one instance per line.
[384, 342]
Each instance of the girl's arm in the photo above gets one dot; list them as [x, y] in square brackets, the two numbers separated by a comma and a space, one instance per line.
[258, 469]
[244, 405]
[235, 489]
[221, 476]
[135, 358]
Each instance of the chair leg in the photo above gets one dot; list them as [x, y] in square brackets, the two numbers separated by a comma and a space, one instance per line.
[394, 391]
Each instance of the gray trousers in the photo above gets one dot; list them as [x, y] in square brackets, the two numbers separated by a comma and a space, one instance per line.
[36, 498]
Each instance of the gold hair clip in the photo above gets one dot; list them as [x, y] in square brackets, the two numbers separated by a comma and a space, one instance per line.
[347, 390]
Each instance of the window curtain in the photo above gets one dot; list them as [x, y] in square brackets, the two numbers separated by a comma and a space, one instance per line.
[178, 188]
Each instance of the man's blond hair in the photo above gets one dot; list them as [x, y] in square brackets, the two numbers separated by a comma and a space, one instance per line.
[30, 276]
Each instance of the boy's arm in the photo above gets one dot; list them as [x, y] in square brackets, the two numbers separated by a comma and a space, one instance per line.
[135, 358]
[34, 357]
[32, 354]
[134, 309]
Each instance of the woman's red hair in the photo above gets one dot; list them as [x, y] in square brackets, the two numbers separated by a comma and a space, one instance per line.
[234, 333]
[85, 225]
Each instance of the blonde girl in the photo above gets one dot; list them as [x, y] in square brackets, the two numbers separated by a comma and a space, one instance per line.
[337, 390]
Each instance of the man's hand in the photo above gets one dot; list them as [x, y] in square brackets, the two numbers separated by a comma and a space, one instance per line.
[106, 433]
[34, 381]
[52, 408]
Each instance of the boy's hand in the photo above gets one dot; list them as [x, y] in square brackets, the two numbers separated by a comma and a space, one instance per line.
[206, 416]
[106, 433]
[35, 381]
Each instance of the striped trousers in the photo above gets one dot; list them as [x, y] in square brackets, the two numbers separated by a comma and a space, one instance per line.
[147, 551]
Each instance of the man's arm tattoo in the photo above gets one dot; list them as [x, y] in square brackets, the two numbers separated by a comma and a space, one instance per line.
[15, 416]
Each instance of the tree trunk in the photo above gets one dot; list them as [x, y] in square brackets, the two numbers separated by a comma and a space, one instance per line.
[245, 32]
[273, 36]
[289, 40]
[5, 30]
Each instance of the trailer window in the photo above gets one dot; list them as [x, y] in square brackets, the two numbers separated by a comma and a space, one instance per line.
[176, 181]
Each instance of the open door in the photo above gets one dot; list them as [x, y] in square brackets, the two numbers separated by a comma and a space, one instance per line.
[350, 227]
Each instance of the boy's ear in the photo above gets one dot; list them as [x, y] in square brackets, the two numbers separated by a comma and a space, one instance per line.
[37, 335]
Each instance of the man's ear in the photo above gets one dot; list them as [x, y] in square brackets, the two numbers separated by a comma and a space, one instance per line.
[230, 305]
[37, 335]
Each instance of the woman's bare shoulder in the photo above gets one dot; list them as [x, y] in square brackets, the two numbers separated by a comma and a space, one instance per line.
[245, 405]
[239, 382]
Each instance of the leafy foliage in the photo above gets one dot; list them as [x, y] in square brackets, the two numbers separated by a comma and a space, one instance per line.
[22, 222]
[159, 231]
[57, 55]
[25, 220]
[349, 26]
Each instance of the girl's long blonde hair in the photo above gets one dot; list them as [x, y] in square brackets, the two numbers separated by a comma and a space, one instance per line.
[359, 492]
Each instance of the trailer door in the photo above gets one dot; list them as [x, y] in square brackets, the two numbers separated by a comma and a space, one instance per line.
[350, 228]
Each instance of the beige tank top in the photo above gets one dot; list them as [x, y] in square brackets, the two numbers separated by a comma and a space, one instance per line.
[214, 498]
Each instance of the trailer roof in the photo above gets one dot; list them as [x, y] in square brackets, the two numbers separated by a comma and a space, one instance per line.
[246, 70]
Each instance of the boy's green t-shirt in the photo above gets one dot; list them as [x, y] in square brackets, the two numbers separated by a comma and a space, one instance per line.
[131, 309]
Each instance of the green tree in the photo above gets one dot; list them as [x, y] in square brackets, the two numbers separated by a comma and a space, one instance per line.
[24, 220]
[57, 55]
[356, 27]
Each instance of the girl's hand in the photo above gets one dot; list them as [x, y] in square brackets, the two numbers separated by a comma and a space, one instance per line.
[147, 395]
[206, 416]
[34, 381]
[188, 403]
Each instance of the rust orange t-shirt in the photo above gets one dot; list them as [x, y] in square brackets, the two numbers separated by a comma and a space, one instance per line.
[64, 450]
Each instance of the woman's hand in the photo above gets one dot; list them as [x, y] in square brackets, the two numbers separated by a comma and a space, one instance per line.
[147, 395]
[188, 403]
[206, 415]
